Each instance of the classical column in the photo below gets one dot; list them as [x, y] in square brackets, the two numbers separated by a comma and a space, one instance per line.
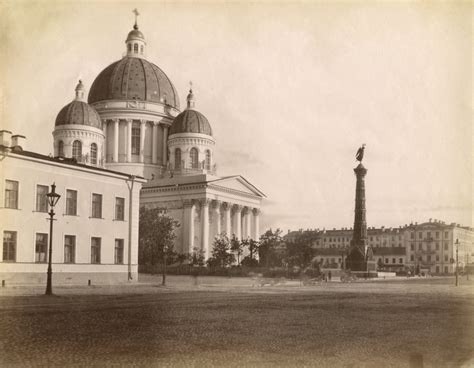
[103, 149]
[165, 144]
[129, 140]
[154, 149]
[217, 216]
[256, 224]
[247, 225]
[205, 227]
[116, 140]
[227, 219]
[142, 140]
[238, 221]
[188, 230]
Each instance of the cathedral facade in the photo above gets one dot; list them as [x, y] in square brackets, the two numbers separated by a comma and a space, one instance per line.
[131, 128]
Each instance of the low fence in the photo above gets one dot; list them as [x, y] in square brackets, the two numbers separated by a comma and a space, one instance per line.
[234, 271]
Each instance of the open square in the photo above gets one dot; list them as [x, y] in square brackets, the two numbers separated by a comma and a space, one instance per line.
[228, 323]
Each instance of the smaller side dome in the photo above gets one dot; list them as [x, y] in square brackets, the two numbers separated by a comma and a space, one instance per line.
[191, 120]
[79, 112]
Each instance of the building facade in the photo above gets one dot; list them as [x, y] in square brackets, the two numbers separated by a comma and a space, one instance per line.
[96, 223]
[128, 145]
[430, 246]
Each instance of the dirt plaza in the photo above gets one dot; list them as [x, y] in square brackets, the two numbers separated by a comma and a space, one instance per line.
[227, 322]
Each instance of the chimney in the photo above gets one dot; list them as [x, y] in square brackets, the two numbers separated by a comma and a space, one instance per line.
[5, 138]
[18, 142]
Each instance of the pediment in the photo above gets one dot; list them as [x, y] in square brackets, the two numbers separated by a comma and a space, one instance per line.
[237, 183]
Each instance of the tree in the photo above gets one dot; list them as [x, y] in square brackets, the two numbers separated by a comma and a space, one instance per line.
[156, 235]
[196, 258]
[236, 246]
[267, 251]
[221, 252]
[300, 253]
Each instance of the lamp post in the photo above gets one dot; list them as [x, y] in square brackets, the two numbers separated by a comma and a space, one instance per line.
[53, 199]
[457, 250]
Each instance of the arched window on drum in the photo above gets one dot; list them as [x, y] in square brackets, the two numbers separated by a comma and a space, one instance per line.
[94, 154]
[61, 149]
[177, 158]
[193, 154]
[207, 164]
[77, 151]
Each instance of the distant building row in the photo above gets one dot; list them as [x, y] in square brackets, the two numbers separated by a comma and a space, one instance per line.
[430, 246]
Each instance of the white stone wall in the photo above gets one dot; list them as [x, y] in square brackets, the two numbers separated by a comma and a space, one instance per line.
[27, 222]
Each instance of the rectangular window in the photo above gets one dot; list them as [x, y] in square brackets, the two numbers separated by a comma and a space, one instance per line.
[41, 247]
[446, 236]
[119, 208]
[420, 246]
[437, 246]
[437, 258]
[428, 258]
[118, 251]
[386, 260]
[420, 235]
[412, 246]
[96, 205]
[41, 198]
[95, 250]
[9, 246]
[394, 260]
[446, 258]
[135, 141]
[412, 235]
[69, 248]
[446, 246]
[71, 202]
[400, 260]
[437, 235]
[428, 234]
[412, 258]
[11, 194]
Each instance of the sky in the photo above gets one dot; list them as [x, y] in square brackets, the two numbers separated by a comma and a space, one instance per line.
[291, 91]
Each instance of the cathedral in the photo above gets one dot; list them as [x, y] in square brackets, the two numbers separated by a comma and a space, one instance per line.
[130, 128]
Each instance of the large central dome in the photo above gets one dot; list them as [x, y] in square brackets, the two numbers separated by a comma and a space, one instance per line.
[133, 78]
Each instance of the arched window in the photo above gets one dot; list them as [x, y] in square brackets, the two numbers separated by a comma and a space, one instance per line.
[77, 150]
[135, 48]
[177, 158]
[61, 149]
[94, 154]
[208, 160]
[141, 49]
[129, 47]
[193, 154]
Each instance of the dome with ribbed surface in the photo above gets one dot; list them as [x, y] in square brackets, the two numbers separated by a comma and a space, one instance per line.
[191, 121]
[79, 113]
[133, 78]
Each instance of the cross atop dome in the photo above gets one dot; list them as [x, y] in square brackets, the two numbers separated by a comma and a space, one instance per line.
[135, 40]
[135, 11]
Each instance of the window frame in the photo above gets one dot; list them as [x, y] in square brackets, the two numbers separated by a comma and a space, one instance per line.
[194, 158]
[96, 212]
[96, 245]
[45, 244]
[67, 207]
[120, 249]
[42, 203]
[7, 247]
[77, 151]
[116, 212]
[11, 195]
[177, 158]
[73, 250]
[93, 153]
[135, 139]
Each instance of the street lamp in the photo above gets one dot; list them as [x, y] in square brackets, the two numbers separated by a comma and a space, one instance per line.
[53, 199]
[457, 250]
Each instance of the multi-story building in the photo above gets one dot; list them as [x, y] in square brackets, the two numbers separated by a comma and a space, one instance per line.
[429, 246]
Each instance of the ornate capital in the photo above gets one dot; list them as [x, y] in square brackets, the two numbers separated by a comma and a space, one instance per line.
[205, 201]
[245, 210]
[188, 202]
[257, 211]
[237, 207]
[226, 206]
[216, 204]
